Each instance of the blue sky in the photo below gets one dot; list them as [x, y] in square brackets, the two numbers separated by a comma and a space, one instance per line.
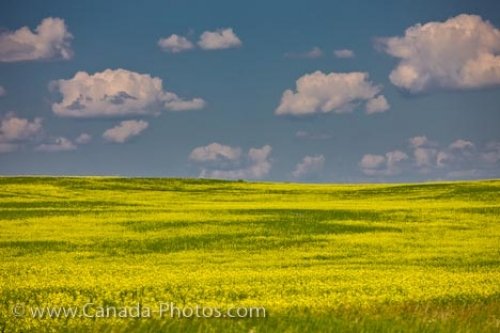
[435, 102]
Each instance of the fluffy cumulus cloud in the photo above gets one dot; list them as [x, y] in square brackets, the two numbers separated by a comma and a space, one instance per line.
[215, 152]
[175, 44]
[420, 141]
[460, 53]
[83, 139]
[219, 39]
[376, 105]
[221, 161]
[491, 153]
[50, 40]
[427, 154]
[125, 130]
[458, 160]
[310, 165]
[344, 53]
[15, 130]
[425, 157]
[383, 165]
[2, 91]
[57, 145]
[334, 92]
[371, 161]
[314, 53]
[462, 144]
[114, 93]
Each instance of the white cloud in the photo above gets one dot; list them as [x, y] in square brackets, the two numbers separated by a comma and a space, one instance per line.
[173, 102]
[444, 158]
[459, 160]
[17, 132]
[58, 144]
[462, 144]
[125, 130]
[428, 155]
[221, 161]
[83, 139]
[14, 129]
[324, 93]
[383, 165]
[376, 105]
[175, 44]
[491, 153]
[215, 151]
[425, 157]
[2, 91]
[371, 161]
[309, 165]
[460, 53]
[344, 53]
[50, 40]
[314, 53]
[219, 39]
[420, 141]
[114, 93]
[394, 157]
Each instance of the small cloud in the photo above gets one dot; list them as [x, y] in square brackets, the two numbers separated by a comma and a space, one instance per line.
[50, 40]
[221, 161]
[219, 39]
[425, 157]
[377, 105]
[462, 144]
[215, 151]
[314, 53]
[344, 53]
[383, 165]
[175, 44]
[3, 92]
[420, 141]
[444, 158]
[491, 153]
[428, 155]
[459, 160]
[83, 139]
[59, 144]
[334, 92]
[15, 129]
[371, 161]
[310, 165]
[125, 130]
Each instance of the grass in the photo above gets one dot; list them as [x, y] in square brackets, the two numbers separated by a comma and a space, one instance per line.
[318, 258]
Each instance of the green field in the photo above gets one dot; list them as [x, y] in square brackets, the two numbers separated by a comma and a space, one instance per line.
[318, 258]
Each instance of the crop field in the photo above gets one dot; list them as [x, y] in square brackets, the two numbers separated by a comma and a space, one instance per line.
[316, 258]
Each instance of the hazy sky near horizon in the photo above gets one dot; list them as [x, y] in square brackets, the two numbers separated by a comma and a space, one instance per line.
[313, 91]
